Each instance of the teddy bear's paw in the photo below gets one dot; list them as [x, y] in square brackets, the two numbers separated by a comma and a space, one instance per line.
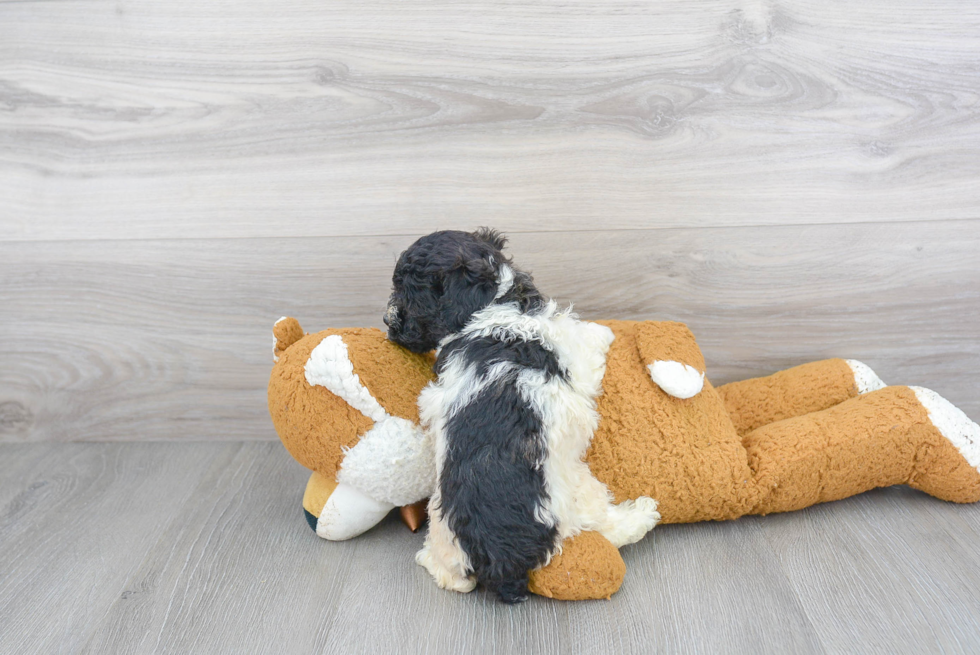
[444, 577]
[350, 512]
[865, 379]
[953, 424]
[630, 520]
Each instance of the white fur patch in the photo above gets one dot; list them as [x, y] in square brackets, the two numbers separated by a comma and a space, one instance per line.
[865, 379]
[580, 346]
[953, 424]
[505, 280]
[677, 379]
[465, 384]
[348, 513]
[394, 461]
[330, 367]
[442, 556]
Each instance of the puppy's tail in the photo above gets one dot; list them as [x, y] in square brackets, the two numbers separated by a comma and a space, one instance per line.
[285, 333]
[509, 590]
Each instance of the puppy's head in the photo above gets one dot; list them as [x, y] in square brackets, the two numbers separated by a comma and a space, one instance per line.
[439, 282]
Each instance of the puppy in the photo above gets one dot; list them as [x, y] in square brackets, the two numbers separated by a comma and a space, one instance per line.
[512, 413]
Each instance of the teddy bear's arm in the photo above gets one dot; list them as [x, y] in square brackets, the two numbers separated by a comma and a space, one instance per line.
[672, 357]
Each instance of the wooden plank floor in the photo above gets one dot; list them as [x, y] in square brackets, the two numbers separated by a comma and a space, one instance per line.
[202, 548]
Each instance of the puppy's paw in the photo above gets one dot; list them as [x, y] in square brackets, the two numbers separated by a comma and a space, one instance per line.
[629, 521]
[444, 577]
[646, 511]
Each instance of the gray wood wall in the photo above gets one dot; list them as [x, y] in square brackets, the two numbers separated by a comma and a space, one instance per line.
[794, 180]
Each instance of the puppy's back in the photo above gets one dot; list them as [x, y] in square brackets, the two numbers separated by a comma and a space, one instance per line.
[492, 485]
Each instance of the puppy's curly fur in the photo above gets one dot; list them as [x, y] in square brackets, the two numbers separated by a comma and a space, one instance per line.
[512, 413]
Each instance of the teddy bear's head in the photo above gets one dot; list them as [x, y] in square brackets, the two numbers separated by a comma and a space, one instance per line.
[343, 402]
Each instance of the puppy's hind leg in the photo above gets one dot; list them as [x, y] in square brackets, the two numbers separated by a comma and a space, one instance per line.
[630, 520]
[621, 524]
[442, 557]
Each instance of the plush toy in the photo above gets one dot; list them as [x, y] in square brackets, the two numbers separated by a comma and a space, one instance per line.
[343, 403]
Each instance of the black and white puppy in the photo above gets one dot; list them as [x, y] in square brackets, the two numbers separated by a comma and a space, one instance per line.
[512, 414]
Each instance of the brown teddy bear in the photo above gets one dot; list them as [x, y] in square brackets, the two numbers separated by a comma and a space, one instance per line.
[344, 404]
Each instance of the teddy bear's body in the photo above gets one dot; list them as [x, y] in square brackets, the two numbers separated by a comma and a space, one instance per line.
[343, 402]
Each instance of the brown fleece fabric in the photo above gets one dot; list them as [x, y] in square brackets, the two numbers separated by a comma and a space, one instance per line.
[683, 453]
[287, 332]
[316, 425]
[793, 392]
[778, 443]
[665, 341]
[589, 567]
[313, 424]
[318, 490]
[394, 375]
[876, 440]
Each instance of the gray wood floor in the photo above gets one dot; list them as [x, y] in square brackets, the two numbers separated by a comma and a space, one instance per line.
[202, 548]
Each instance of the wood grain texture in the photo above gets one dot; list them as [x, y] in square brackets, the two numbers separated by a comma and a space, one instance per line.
[116, 340]
[234, 568]
[123, 119]
[80, 521]
[905, 572]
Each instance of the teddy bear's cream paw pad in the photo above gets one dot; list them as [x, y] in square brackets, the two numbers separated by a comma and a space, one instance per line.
[349, 513]
[629, 521]
[865, 379]
[676, 379]
[953, 424]
[442, 575]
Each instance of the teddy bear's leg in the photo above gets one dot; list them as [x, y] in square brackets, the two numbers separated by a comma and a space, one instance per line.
[588, 567]
[795, 392]
[895, 435]
[340, 511]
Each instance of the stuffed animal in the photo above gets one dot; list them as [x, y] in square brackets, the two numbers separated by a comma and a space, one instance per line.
[343, 403]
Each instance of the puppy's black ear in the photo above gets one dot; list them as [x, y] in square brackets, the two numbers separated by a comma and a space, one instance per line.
[476, 270]
[470, 285]
[492, 237]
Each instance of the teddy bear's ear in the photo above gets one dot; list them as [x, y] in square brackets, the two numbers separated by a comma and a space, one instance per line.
[285, 333]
